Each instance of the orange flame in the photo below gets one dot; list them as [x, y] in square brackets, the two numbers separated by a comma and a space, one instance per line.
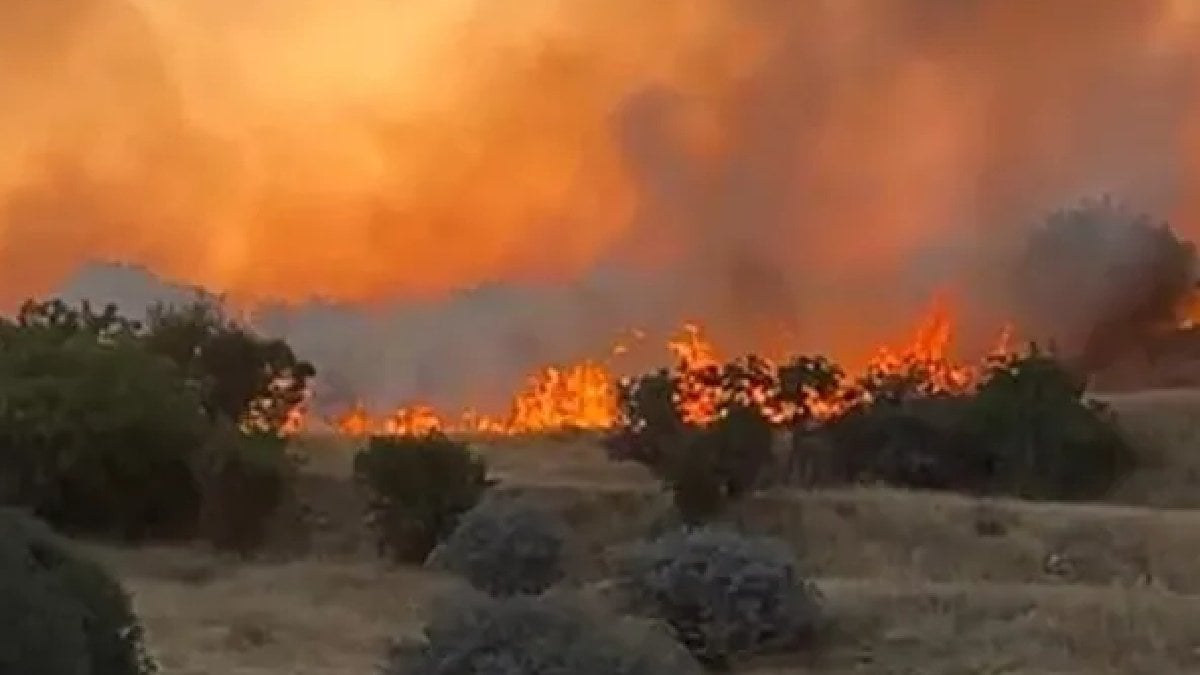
[584, 395]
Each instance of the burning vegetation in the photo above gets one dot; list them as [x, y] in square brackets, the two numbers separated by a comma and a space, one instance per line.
[586, 395]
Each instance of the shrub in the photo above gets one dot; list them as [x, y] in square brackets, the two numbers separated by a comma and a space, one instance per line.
[417, 487]
[911, 441]
[1027, 431]
[505, 547]
[244, 477]
[243, 377]
[63, 614]
[536, 635]
[649, 423]
[1040, 438]
[707, 465]
[97, 435]
[725, 595]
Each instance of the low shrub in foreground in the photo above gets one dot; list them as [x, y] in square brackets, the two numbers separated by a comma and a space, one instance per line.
[725, 595]
[61, 614]
[537, 635]
[417, 487]
[505, 547]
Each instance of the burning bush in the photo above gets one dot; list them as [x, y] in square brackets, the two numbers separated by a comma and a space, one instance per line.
[243, 377]
[62, 614]
[707, 432]
[505, 547]
[725, 595]
[541, 635]
[418, 487]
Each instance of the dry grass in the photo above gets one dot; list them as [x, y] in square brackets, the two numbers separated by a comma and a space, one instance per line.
[915, 583]
[330, 618]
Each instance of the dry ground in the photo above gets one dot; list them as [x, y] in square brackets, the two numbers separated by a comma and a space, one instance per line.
[915, 583]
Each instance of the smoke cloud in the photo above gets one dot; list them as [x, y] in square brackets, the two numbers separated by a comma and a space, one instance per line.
[487, 186]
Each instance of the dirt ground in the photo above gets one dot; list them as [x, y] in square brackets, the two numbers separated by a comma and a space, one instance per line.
[914, 582]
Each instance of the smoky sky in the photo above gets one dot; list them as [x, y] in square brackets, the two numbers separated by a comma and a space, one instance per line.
[571, 170]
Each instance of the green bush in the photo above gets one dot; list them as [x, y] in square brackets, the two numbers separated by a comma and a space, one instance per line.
[112, 429]
[244, 476]
[505, 547]
[909, 441]
[1039, 437]
[703, 466]
[725, 595]
[1028, 431]
[63, 614]
[536, 635]
[97, 435]
[417, 487]
[243, 377]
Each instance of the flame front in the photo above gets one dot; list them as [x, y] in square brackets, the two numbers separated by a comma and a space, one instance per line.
[583, 396]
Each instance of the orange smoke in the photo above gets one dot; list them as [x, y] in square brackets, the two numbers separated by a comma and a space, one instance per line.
[373, 148]
[780, 170]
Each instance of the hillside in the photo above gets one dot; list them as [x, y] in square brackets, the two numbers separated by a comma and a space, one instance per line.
[915, 582]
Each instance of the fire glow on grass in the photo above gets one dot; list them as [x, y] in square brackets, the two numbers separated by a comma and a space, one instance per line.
[584, 395]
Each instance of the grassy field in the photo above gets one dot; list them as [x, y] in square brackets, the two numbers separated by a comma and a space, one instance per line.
[915, 582]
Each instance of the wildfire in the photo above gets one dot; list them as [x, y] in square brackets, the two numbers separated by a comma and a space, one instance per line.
[584, 395]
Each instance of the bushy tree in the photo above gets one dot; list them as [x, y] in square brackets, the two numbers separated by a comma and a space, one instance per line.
[505, 546]
[56, 320]
[1028, 431]
[243, 377]
[1040, 437]
[536, 635]
[725, 595]
[62, 614]
[418, 487]
[98, 436]
[1099, 279]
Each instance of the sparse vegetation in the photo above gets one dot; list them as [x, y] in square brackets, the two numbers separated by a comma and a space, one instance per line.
[536, 635]
[505, 547]
[418, 487]
[62, 614]
[724, 594]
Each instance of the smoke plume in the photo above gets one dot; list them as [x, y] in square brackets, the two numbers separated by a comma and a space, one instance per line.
[488, 185]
